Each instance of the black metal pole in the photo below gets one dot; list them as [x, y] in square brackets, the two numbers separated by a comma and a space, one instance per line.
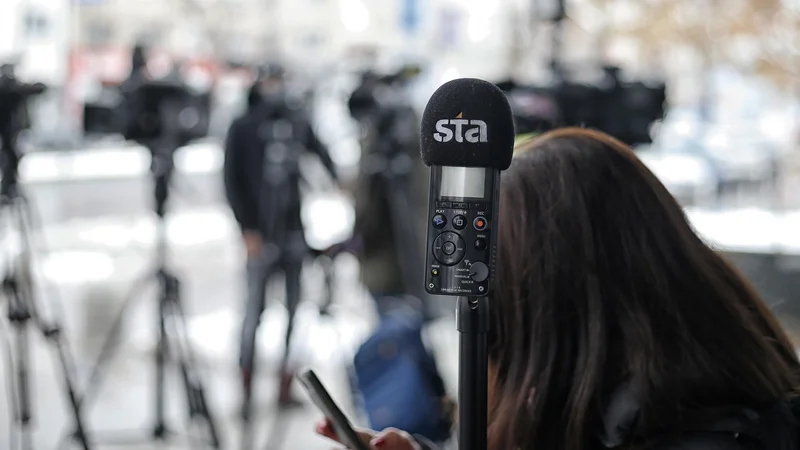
[162, 167]
[472, 317]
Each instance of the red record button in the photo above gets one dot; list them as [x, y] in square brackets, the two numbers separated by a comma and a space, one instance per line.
[480, 223]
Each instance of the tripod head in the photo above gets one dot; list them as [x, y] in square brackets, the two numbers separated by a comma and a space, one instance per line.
[162, 109]
[145, 109]
[162, 115]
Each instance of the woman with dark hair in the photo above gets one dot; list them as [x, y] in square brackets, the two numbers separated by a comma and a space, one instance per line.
[614, 325]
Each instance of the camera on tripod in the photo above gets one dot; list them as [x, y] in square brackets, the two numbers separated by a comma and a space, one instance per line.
[18, 295]
[14, 117]
[625, 110]
[144, 109]
[14, 95]
[381, 92]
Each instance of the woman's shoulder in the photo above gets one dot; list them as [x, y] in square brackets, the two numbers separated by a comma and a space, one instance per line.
[709, 441]
[772, 428]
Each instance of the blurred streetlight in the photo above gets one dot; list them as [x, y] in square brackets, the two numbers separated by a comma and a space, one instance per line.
[354, 15]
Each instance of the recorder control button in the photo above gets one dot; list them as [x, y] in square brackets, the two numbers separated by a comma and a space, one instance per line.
[439, 221]
[478, 271]
[480, 223]
[449, 248]
[459, 222]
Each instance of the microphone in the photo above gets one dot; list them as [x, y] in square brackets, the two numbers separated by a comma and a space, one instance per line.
[467, 140]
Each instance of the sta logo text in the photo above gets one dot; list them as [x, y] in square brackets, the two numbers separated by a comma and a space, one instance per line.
[472, 131]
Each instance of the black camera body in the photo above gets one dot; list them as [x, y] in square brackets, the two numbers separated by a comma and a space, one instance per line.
[144, 110]
[461, 249]
[625, 110]
[14, 113]
[164, 108]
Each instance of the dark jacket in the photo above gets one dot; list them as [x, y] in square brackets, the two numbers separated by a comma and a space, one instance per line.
[391, 212]
[771, 428]
[759, 428]
[249, 139]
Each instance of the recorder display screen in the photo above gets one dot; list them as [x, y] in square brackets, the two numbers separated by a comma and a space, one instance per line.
[463, 182]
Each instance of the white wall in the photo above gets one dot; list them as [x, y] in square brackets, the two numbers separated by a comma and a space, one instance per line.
[42, 50]
[10, 22]
[464, 37]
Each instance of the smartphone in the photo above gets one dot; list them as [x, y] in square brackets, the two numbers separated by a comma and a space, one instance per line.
[319, 395]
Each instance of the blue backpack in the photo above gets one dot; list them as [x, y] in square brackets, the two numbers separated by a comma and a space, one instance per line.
[399, 383]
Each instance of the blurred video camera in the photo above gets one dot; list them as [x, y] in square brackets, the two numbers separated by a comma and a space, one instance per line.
[14, 114]
[144, 110]
[383, 102]
[625, 110]
[381, 92]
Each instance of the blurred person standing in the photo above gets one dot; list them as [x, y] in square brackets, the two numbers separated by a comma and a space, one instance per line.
[391, 200]
[391, 172]
[262, 185]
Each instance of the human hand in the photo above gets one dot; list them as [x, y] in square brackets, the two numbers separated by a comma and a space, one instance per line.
[252, 242]
[388, 439]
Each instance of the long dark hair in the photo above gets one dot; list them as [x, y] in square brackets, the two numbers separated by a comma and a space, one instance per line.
[601, 282]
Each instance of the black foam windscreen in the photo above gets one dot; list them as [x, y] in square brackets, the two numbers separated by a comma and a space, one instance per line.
[468, 123]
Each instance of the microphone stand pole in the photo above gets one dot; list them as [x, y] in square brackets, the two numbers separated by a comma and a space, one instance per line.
[472, 322]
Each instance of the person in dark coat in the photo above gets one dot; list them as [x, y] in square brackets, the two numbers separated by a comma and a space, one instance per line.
[391, 195]
[391, 206]
[613, 325]
[262, 184]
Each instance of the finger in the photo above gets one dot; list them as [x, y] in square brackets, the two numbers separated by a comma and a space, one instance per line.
[393, 439]
[365, 436]
[324, 428]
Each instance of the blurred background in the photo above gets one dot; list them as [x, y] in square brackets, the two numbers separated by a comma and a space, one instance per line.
[706, 91]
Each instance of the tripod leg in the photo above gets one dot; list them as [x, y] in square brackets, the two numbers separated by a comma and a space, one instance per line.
[68, 369]
[195, 393]
[160, 428]
[23, 413]
[110, 345]
[24, 309]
